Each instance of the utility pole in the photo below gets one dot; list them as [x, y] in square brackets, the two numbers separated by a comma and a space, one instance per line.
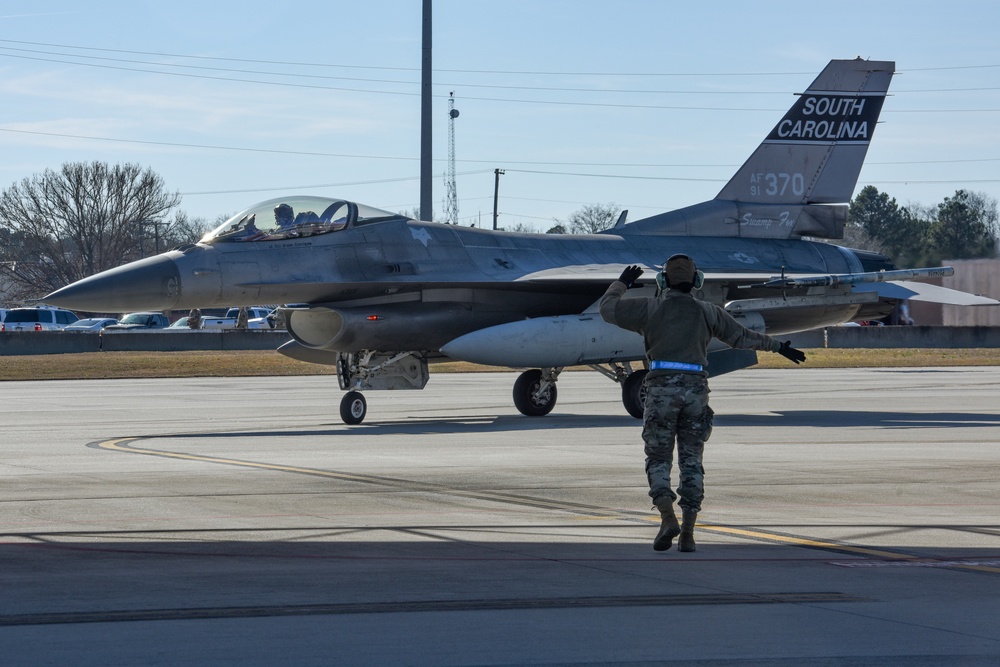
[496, 192]
[426, 166]
[450, 186]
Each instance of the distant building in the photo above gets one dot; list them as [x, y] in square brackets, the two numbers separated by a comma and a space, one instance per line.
[978, 276]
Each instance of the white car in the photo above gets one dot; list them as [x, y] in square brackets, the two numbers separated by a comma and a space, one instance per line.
[142, 321]
[256, 319]
[42, 318]
[91, 324]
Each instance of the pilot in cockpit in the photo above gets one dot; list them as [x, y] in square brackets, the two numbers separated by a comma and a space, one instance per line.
[284, 217]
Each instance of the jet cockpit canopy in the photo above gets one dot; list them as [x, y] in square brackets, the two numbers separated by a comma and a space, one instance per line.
[295, 217]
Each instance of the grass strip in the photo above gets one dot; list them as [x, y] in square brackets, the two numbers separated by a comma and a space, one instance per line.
[111, 365]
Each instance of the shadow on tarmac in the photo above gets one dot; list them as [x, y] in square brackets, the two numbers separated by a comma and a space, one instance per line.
[509, 423]
[119, 576]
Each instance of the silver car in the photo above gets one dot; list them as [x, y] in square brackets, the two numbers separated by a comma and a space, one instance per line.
[91, 324]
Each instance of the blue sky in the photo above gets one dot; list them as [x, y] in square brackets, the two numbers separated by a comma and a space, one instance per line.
[651, 105]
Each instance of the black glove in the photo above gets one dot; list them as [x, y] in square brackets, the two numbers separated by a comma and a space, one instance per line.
[630, 275]
[786, 350]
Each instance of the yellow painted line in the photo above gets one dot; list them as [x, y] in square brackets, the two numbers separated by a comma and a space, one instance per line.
[797, 541]
[122, 445]
[980, 568]
[805, 542]
[823, 544]
[835, 546]
[116, 445]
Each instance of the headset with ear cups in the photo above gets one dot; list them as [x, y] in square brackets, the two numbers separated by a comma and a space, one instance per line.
[699, 279]
[662, 283]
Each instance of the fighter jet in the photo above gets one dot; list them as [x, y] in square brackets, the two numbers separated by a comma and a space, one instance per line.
[379, 295]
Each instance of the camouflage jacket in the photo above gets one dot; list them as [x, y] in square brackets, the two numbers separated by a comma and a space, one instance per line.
[677, 327]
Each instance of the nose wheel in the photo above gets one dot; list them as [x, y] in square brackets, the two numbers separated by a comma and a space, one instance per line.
[353, 407]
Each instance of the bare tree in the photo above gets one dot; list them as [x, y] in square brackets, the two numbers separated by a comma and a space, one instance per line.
[520, 227]
[185, 229]
[85, 218]
[592, 218]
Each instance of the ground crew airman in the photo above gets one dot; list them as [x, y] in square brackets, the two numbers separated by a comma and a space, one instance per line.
[677, 329]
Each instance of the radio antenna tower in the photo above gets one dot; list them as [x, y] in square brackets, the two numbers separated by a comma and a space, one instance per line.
[451, 193]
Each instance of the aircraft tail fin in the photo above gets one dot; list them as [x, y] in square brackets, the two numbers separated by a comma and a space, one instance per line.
[815, 153]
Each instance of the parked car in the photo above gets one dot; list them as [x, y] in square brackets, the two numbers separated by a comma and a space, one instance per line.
[254, 314]
[268, 322]
[91, 324]
[181, 324]
[42, 318]
[143, 321]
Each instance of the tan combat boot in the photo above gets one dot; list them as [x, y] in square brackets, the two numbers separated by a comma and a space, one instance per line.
[669, 528]
[686, 540]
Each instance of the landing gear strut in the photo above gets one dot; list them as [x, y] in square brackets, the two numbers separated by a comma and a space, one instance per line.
[633, 385]
[634, 393]
[371, 369]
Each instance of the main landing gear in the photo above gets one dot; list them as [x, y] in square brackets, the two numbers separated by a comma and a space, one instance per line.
[535, 390]
[634, 393]
[633, 385]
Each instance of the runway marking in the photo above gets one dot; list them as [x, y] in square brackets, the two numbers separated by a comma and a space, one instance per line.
[988, 563]
[417, 606]
[584, 512]
[804, 541]
[887, 558]
[123, 445]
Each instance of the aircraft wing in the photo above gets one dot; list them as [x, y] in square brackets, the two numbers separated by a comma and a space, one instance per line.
[889, 284]
[913, 291]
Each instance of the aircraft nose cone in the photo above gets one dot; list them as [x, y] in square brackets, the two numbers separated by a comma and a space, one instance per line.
[153, 283]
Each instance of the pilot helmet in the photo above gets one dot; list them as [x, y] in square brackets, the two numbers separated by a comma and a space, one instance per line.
[283, 212]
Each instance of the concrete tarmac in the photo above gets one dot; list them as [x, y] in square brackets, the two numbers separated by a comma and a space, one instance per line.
[852, 518]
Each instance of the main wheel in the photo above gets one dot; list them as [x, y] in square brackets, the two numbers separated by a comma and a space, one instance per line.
[353, 407]
[634, 393]
[527, 400]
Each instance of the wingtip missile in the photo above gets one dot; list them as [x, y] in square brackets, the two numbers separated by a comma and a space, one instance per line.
[788, 282]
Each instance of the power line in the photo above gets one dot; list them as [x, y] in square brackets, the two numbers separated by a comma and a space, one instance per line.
[370, 80]
[385, 92]
[463, 71]
[275, 151]
[392, 68]
[552, 89]
[176, 144]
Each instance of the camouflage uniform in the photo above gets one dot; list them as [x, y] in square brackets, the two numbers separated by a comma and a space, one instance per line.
[676, 407]
[677, 328]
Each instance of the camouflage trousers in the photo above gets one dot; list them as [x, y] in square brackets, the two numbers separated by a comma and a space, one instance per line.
[676, 410]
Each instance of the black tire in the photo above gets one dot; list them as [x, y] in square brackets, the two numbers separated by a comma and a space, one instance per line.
[353, 407]
[524, 388]
[634, 393]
